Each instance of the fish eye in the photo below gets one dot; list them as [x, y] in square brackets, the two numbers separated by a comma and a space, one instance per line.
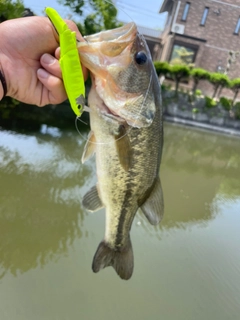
[140, 57]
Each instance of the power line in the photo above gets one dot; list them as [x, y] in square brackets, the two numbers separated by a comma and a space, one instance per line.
[132, 7]
[137, 12]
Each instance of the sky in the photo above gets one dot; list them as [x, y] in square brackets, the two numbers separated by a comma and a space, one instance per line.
[143, 13]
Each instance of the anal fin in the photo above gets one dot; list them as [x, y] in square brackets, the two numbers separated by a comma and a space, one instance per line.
[153, 207]
[91, 200]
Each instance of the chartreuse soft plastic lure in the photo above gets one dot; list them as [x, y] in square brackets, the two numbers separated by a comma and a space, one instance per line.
[69, 62]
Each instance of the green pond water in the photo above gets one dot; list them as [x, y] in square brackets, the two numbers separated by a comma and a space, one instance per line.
[188, 268]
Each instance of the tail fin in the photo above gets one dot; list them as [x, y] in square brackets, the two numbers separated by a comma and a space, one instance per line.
[121, 261]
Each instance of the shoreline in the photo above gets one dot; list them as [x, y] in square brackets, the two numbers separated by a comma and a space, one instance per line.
[201, 125]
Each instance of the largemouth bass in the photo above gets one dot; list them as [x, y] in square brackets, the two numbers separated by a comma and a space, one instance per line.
[127, 137]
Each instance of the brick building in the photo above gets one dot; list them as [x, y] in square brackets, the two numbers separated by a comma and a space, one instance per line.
[204, 33]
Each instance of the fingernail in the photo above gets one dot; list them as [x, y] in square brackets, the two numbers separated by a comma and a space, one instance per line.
[42, 73]
[47, 58]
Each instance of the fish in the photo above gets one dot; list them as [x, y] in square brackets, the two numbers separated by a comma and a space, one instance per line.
[126, 137]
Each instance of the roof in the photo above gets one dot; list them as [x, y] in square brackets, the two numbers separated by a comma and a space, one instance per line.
[166, 6]
[154, 33]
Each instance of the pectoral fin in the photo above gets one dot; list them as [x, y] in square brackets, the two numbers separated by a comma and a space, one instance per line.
[91, 200]
[89, 148]
[123, 147]
[153, 207]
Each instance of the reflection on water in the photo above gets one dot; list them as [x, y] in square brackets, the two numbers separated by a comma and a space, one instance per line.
[188, 267]
[197, 167]
[40, 204]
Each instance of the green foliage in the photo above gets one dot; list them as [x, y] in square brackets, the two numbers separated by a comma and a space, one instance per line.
[162, 67]
[210, 102]
[200, 74]
[75, 5]
[236, 110]
[226, 103]
[235, 86]
[166, 87]
[10, 9]
[103, 16]
[177, 71]
[180, 71]
[219, 78]
[219, 81]
[198, 92]
[195, 110]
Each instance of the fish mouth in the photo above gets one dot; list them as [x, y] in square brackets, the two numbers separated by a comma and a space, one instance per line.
[111, 43]
[119, 34]
[107, 55]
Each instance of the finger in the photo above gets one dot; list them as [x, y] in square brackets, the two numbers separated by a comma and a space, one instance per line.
[84, 69]
[57, 53]
[53, 89]
[51, 65]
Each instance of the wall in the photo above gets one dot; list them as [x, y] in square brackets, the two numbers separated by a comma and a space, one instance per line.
[214, 40]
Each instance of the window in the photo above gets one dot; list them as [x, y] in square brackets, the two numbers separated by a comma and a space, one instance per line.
[183, 53]
[185, 11]
[237, 29]
[204, 16]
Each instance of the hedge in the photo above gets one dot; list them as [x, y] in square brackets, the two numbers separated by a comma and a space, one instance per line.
[184, 72]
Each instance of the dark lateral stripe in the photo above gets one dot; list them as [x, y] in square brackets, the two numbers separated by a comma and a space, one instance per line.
[124, 216]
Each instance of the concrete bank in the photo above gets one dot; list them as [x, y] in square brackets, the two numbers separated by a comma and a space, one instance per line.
[201, 125]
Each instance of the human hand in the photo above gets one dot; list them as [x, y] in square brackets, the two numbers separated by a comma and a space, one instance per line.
[29, 56]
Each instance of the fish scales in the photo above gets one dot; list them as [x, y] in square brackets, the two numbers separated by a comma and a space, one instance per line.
[133, 183]
[127, 156]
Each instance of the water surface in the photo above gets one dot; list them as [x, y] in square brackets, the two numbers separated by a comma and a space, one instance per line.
[187, 268]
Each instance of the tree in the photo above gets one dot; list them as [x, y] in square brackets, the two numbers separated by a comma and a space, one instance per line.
[219, 81]
[198, 74]
[162, 68]
[103, 16]
[179, 72]
[11, 9]
[235, 86]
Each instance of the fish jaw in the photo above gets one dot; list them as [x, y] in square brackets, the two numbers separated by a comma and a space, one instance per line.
[123, 85]
[104, 48]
